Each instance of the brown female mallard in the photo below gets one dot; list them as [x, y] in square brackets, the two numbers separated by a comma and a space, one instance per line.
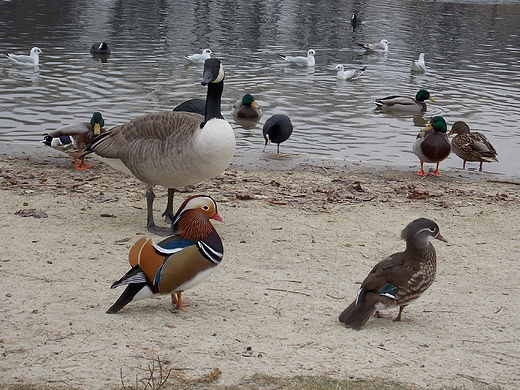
[471, 146]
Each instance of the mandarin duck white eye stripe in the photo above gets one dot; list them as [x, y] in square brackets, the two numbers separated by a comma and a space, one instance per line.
[398, 279]
[197, 250]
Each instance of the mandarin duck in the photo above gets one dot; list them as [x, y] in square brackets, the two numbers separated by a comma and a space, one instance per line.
[277, 129]
[398, 279]
[471, 146]
[32, 59]
[199, 58]
[172, 148]
[418, 66]
[381, 46]
[432, 145]
[405, 103]
[246, 108]
[100, 49]
[177, 263]
[73, 139]
[301, 61]
[349, 74]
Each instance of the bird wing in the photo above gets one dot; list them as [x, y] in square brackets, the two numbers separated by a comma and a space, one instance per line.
[21, 59]
[390, 101]
[72, 129]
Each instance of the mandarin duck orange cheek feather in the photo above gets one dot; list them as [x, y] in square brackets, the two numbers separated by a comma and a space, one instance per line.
[177, 263]
[398, 279]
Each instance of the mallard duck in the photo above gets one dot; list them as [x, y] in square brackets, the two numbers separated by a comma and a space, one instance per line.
[100, 48]
[246, 108]
[405, 103]
[432, 144]
[172, 148]
[277, 129]
[418, 66]
[192, 105]
[73, 139]
[301, 61]
[32, 59]
[179, 262]
[349, 74]
[471, 146]
[398, 279]
[381, 46]
[199, 58]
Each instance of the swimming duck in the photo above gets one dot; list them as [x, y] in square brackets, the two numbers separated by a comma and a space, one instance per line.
[246, 108]
[471, 146]
[73, 139]
[432, 145]
[381, 46]
[349, 74]
[100, 48]
[32, 59]
[405, 103]
[418, 66]
[398, 279]
[172, 148]
[177, 263]
[277, 129]
[199, 58]
[301, 61]
[192, 105]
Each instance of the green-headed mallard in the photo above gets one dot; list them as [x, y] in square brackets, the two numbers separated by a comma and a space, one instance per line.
[73, 139]
[471, 146]
[432, 144]
[405, 103]
[246, 108]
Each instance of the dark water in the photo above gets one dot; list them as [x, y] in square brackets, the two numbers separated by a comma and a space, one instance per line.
[472, 52]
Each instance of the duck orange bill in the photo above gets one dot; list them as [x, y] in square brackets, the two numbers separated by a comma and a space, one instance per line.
[439, 237]
[217, 217]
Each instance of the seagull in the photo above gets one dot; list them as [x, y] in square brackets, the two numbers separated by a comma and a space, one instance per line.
[349, 74]
[418, 65]
[32, 59]
[199, 58]
[381, 46]
[301, 61]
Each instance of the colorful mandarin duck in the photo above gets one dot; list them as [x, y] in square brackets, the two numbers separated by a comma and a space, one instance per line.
[432, 145]
[277, 129]
[73, 139]
[172, 148]
[177, 263]
[400, 278]
[246, 108]
[405, 103]
[471, 146]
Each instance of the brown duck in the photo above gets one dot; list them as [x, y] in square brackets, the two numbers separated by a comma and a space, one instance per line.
[432, 145]
[471, 146]
[400, 278]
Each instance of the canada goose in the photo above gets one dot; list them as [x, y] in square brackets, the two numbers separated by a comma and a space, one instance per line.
[381, 46]
[405, 103]
[418, 66]
[277, 129]
[301, 61]
[349, 74]
[192, 105]
[32, 59]
[73, 139]
[172, 148]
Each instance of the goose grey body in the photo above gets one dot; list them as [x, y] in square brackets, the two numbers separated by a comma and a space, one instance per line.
[172, 148]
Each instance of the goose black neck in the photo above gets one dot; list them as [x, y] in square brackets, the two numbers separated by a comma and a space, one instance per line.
[213, 101]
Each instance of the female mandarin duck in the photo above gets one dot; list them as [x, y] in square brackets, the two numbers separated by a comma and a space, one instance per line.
[432, 145]
[471, 146]
[405, 103]
[177, 263]
[277, 129]
[246, 108]
[74, 138]
[172, 148]
[398, 279]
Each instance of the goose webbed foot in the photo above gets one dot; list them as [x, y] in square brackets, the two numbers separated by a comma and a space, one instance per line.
[159, 231]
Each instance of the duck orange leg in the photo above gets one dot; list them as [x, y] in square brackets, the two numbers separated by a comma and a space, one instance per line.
[81, 166]
[421, 172]
[398, 318]
[177, 301]
[436, 172]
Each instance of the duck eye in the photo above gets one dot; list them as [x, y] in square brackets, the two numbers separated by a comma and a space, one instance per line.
[205, 207]
[432, 229]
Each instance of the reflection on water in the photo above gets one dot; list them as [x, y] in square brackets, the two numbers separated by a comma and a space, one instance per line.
[472, 56]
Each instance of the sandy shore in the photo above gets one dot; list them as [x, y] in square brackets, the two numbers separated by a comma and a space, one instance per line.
[299, 236]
